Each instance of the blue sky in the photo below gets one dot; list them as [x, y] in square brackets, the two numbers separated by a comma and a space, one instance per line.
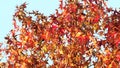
[7, 9]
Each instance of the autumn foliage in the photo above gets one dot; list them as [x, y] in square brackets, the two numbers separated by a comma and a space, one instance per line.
[80, 34]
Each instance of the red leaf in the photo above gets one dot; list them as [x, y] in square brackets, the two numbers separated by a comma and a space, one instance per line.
[68, 17]
[80, 18]
[54, 26]
[73, 8]
[83, 39]
[117, 42]
[45, 36]
[96, 19]
[14, 23]
[28, 23]
[118, 56]
[62, 31]
[19, 43]
[90, 1]
[1, 44]
[61, 4]
[13, 32]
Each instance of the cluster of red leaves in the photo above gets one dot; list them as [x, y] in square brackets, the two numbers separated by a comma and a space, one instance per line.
[114, 26]
[65, 37]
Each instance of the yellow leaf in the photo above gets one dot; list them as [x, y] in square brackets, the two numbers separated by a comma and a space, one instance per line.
[44, 48]
[23, 65]
[26, 38]
[61, 51]
[95, 26]
[29, 61]
[78, 34]
[68, 55]
[72, 64]
[87, 23]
